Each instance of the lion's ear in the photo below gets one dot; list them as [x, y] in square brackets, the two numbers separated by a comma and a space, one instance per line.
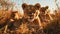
[47, 7]
[24, 5]
[37, 6]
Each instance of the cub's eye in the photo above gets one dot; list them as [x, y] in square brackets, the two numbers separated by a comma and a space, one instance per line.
[33, 11]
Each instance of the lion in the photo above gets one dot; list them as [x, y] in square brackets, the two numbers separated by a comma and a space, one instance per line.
[31, 15]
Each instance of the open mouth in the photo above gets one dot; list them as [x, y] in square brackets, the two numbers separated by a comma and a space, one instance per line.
[31, 19]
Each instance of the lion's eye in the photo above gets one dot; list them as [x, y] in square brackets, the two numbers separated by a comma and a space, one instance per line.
[32, 13]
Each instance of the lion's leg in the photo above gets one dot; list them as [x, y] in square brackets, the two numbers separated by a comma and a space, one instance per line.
[50, 17]
[5, 31]
[40, 26]
[39, 23]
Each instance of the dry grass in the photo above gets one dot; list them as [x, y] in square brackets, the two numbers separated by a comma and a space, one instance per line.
[25, 28]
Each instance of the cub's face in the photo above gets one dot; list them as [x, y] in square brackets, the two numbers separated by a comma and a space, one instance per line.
[43, 9]
[30, 11]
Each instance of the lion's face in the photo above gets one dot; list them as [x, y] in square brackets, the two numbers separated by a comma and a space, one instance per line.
[30, 11]
[43, 9]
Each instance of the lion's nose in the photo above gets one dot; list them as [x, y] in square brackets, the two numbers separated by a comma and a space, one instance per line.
[30, 18]
[30, 13]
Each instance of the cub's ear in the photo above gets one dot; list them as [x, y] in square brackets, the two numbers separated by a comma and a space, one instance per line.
[37, 6]
[24, 5]
[47, 7]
